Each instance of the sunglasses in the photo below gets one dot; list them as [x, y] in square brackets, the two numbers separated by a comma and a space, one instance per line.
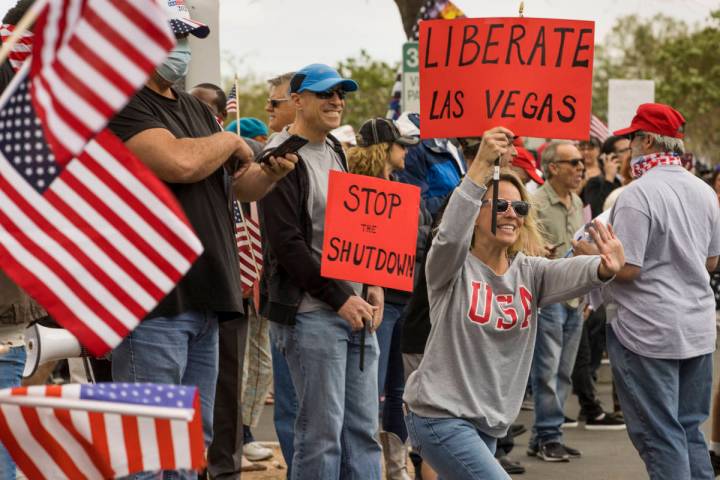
[575, 162]
[275, 102]
[520, 207]
[328, 94]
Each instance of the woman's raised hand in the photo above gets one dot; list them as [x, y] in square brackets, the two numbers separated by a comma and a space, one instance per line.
[495, 143]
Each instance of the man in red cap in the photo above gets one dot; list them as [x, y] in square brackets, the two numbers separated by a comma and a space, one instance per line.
[524, 167]
[660, 309]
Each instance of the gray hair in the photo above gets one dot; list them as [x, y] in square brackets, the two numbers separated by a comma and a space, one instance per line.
[548, 155]
[280, 79]
[664, 143]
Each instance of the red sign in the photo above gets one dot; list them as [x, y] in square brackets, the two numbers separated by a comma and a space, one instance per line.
[531, 75]
[371, 230]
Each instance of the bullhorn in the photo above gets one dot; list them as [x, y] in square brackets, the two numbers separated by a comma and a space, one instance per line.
[43, 345]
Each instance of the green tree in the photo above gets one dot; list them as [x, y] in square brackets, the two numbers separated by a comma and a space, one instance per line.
[683, 61]
[375, 79]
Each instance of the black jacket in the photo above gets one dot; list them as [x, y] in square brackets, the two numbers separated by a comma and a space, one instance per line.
[289, 268]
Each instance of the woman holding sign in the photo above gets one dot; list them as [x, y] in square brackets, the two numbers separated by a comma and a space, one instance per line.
[484, 294]
[380, 152]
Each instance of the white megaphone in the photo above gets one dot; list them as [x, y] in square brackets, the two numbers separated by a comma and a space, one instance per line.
[43, 345]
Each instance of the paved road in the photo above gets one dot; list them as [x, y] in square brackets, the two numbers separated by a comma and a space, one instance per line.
[606, 455]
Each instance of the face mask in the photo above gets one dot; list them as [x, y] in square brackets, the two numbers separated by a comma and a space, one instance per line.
[176, 65]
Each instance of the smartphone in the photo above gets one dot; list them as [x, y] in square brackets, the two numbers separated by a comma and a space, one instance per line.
[291, 145]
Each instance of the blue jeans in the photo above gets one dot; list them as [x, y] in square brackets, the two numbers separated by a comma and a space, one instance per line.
[391, 378]
[11, 368]
[665, 402]
[337, 403]
[286, 406]
[558, 338]
[454, 448]
[181, 350]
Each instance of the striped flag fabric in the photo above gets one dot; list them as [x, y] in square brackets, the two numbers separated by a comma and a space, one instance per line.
[103, 430]
[21, 50]
[98, 241]
[231, 105]
[598, 129]
[249, 244]
[90, 57]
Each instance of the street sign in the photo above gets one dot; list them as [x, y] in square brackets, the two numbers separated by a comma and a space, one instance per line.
[410, 78]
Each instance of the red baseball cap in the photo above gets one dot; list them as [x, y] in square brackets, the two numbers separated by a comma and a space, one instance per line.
[655, 118]
[526, 161]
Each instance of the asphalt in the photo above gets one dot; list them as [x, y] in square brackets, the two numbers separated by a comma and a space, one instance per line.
[606, 455]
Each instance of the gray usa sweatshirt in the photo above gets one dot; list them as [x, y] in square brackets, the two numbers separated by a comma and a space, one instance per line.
[478, 355]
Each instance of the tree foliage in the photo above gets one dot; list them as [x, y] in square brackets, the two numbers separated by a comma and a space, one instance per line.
[375, 79]
[683, 61]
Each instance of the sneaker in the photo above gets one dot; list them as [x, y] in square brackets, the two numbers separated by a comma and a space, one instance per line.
[570, 423]
[606, 421]
[255, 452]
[572, 452]
[715, 460]
[511, 466]
[553, 452]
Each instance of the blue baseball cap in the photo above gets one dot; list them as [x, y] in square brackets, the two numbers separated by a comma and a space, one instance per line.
[319, 78]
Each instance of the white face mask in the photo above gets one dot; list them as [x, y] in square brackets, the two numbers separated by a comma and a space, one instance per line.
[177, 64]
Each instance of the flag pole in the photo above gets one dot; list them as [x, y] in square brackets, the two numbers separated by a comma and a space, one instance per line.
[237, 111]
[22, 26]
[97, 406]
[249, 238]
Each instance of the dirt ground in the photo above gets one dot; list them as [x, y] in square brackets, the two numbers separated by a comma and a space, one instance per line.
[276, 469]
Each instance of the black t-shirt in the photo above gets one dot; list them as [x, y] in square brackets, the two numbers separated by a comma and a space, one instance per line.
[213, 282]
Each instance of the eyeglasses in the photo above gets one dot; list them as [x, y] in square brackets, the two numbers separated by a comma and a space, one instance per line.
[520, 207]
[575, 162]
[275, 102]
[328, 94]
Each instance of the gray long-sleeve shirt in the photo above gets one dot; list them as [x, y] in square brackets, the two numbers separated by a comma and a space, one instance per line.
[478, 355]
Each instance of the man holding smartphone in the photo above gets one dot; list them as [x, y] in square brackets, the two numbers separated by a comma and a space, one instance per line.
[316, 321]
[560, 324]
[614, 153]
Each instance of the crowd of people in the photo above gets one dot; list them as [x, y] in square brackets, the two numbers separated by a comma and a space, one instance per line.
[504, 317]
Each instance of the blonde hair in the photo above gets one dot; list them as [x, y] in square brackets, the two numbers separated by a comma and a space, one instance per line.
[370, 161]
[530, 240]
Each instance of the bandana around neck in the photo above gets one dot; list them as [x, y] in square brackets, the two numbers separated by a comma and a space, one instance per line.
[647, 162]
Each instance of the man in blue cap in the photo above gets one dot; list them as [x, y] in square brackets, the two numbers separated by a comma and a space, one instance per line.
[316, 321]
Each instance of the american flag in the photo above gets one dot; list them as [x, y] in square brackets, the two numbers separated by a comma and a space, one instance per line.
[231, 105]
[249, 250]
[91, 57]
[598, 129]
[21, 50]
[98, 241]
[104, 430]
